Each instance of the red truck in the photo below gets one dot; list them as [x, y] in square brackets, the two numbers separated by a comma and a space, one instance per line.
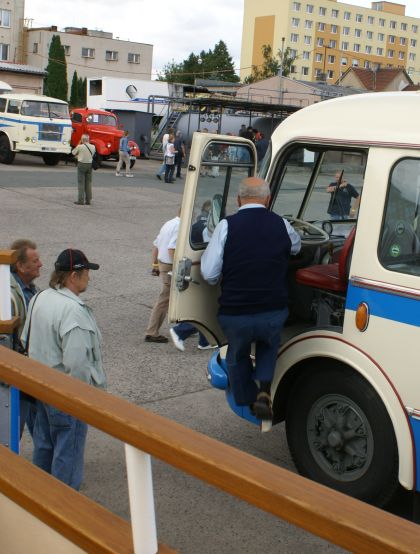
[103, 131]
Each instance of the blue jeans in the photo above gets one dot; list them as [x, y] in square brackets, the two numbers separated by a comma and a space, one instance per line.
[185, 330]
[241, 331]
[59, 444]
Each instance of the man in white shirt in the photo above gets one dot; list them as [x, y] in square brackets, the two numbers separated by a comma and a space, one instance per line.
[162, 256]
[165, 139]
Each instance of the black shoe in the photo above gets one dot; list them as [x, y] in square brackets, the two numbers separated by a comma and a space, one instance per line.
[262, 408]
[158, 338]
[87, 203]
[80, 203]
[159, 177]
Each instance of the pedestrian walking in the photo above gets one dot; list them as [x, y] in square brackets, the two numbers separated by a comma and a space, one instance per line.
[179, 146]
[124, 156]
[64, 335]
[84, 153]
[170, 154]
[165, 139]
[179, 333]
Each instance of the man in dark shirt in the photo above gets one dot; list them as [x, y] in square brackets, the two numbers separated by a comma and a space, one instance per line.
[341, 194]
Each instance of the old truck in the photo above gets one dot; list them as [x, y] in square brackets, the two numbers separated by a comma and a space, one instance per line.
[104, 133]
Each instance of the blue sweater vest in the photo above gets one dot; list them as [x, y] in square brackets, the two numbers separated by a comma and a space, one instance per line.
[255, 262]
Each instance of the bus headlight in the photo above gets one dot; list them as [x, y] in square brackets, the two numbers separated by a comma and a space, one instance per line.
[64, 142]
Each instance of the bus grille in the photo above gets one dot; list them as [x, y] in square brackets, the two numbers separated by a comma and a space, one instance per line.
[49, 131]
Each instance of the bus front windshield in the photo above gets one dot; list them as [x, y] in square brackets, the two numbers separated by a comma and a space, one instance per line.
[50, 110]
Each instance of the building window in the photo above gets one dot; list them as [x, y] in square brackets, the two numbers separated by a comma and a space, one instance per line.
[390, 53]
[358, 33]
[371, 20]
[293, 69]
[330, 74]
[344, 46]
[332, 43]
[5, 18]
[366, 64]
[88, 52]
[67, 49]
[308, 24]
[368, 49]
[355, 63]
[306, 55]
[347, 16]
[318, 73]
[359, 18]
[334, 29]
[321, 26]
[411, 56]
[410, 71]
[35, 48]
[4, 52]
[414, 28]
[309, 8]
[295, 21]
[413, 42]
[369, 35]
[403, 41]
[343, 61]
[379, 51]
[133, 58]
[392, 24]
[305, 70]
[294, 37]
[318, 57]
[356, 47]
[391, 39]
[403, 26]
[331, 59]
[381, 37]
[334, 14]
[307, 39]
[381, 22]
[320, 42]
[400, 55]
[111, 56]
[346, 31]
[293, 53]
[296, 6]
[322, 11]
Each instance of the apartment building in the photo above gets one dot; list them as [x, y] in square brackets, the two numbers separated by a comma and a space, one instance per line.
[90, 53]
[327, 37]
[11, 30]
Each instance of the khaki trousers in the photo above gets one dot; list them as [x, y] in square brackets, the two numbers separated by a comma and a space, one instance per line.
[84, 182]
[160, 309]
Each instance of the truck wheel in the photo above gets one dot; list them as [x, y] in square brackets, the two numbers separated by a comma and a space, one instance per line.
[6, 155]
[51, 159]
[340, 434]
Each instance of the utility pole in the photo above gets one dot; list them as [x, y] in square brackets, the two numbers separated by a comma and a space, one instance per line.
[281, 69]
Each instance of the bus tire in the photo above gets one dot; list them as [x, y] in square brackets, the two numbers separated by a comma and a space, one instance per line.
[340, 434]
[6, 154]
[51, 159]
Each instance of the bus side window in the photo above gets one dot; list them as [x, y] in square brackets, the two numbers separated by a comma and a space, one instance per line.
[3, 103]
[13, 106]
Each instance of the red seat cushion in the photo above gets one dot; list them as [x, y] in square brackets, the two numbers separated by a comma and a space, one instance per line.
[325, 277]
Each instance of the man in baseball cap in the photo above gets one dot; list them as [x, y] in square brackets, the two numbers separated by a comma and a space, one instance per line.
[61, 332]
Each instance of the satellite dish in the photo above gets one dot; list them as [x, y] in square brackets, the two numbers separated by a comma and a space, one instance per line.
[5, 87]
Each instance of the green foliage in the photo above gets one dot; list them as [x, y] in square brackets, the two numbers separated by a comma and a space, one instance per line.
[82, 88]
[55, 83]
[215, 64]
[74, 92]
[271, 65]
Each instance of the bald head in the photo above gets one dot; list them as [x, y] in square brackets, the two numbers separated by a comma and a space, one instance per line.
[253, 190]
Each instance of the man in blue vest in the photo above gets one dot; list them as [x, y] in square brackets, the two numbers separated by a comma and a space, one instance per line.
[250, 252]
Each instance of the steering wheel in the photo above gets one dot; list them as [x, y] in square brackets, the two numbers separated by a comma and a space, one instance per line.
[306, 230]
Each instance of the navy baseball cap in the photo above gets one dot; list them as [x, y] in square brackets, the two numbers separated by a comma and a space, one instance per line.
[73, 260]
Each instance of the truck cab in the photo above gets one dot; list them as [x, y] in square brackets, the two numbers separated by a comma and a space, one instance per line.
[346, 382]
[104, 133]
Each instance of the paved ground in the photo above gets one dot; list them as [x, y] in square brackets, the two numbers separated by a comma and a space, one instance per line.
[117, 232]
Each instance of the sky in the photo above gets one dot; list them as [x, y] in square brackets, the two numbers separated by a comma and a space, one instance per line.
[174, 28]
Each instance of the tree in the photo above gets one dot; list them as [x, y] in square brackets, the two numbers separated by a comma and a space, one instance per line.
[214, 64]
[55, 83]
[271, 65]
[74, 92]
[82, 88]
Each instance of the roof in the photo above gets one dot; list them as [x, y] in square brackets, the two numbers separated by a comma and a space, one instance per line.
[34, 97]
[332, 91]
[377, 80]
[214, 83]
[374, 118]
[21, 68]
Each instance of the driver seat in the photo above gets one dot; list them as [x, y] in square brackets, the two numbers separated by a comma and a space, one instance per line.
[329, 277]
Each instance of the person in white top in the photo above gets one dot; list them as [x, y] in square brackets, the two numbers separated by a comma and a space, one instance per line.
[165, 139]
[162, 256]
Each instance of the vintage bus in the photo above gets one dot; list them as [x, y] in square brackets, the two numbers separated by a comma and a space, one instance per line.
[32, 124]
[347, 379]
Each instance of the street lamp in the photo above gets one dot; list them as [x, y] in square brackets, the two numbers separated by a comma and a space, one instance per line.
[325, 60]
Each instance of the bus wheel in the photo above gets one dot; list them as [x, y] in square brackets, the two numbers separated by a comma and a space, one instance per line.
[51, 159]
[6, 155]
[340, 434]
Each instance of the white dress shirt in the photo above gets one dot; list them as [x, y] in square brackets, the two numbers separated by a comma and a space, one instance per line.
[212, 259]
[166, 240]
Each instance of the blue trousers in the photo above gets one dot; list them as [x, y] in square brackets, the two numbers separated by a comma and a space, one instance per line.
[185, 330]
[59, 444]
[263, 329]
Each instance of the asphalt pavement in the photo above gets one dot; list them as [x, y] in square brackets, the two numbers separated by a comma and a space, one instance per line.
[117, 231]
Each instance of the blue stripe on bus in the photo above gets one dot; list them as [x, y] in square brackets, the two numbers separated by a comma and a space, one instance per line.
[385, 304]
[31, 122]
[415, 426]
